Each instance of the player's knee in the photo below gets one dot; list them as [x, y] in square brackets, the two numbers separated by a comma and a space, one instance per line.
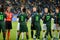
[26, 33]
[53, 30]
[17, 30]
[57, 30]
[43, 30]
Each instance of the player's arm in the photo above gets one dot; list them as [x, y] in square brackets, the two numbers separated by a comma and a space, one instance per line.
[5, 16]
[18, 17]
[28, 17]
[43, 17]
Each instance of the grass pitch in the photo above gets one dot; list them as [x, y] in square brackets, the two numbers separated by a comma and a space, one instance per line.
[14, 30]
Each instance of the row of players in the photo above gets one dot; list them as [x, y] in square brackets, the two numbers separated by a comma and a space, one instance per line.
[5, 19]
[35, 22]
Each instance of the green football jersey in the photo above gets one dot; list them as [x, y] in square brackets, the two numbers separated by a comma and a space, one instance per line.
[37, 18]
[2, 16]
[58, 18]
[22, 17]
[48, 18]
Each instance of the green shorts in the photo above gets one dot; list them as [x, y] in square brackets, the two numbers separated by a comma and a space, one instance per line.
[2, 26]
[48, 25]
[23, 27]
[37, 26]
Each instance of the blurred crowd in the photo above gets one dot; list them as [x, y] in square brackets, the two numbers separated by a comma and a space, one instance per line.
[16, 4]
[40, 4]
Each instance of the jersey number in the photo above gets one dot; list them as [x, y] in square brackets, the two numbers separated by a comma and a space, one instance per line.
[1, 17]
[22, 18]
[37, 18]
[48, 17]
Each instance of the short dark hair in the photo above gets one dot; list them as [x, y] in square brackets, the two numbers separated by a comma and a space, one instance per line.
[24, 9]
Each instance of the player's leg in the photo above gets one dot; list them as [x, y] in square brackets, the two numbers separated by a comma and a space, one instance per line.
[18, 31]
[54, 29]
[18, 27]
[47, 31]
[27, 35]
[59, 31]
[22, 35]
[4, 35]
[38, 29]
[59, 34]
[49, 28]
[8, 34]
[50, 33]
[37, 34]
[44, 28]
[18, 35]
[32, 31]
[46, 34]
[26, 30]
[4, 30]
[58, 28]
[9, 27]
